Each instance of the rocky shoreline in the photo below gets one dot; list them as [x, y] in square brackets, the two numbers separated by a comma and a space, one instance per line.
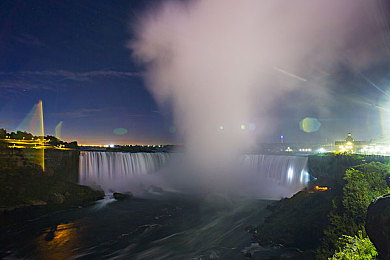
[24, 184]
[30, 190]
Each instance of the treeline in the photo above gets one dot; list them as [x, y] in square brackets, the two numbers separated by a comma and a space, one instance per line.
[23, 135]
[329, 224]
[19, 135]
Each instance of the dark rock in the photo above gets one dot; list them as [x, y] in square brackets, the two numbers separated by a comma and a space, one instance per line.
[378, 225]
[122, 196]
[38, 203]
[248, 254]
[57, 198]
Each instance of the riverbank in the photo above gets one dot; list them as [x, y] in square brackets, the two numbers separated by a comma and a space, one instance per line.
[314, 220]
[35, 189]
[24, 184]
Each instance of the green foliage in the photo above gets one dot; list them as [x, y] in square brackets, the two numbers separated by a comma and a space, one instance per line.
[362, 184]
[355, 248]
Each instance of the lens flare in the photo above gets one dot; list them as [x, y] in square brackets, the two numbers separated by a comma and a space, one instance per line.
[120, 131]
[42, 135]
[309, 124]
[172, 129]
[58, 130]
[33, 123]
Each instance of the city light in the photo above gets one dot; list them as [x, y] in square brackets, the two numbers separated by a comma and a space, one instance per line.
[321, 150]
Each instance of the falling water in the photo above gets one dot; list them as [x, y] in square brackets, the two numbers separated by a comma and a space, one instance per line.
[284, 170]
[268, 175]
[113, 170]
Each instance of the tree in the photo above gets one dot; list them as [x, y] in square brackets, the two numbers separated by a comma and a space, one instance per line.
[53, 140]
[71, 145]
[362, 184]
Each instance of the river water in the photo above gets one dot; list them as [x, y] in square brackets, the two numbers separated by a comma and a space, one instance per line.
[160, 224]
[168, 227]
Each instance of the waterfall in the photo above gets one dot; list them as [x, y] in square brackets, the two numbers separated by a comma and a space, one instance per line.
[109, 169]
[258, 174]
[283, 170]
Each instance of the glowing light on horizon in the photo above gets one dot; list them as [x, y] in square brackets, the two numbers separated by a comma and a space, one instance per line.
[321, 150]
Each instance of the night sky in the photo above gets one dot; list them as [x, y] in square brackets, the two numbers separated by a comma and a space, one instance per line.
[72, 55]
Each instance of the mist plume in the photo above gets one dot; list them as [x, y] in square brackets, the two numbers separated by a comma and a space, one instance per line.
[224, 63]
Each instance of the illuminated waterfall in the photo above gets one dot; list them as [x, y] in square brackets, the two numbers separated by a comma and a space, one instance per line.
[283, 170]
[118, 171]
[110, 169]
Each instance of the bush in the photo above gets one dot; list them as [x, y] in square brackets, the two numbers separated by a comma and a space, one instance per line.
[362, 184]
[356, 248]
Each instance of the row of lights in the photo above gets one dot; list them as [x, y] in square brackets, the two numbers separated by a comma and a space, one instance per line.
[376, 150]
[243, 127]
[305, 150]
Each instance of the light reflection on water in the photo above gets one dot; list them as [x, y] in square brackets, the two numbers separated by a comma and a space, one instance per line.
[59, 242]
[185, 228]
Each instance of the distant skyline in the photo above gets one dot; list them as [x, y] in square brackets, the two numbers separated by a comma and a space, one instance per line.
[73, 56]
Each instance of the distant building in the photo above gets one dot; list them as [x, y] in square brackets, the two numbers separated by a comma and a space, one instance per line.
[350, 145]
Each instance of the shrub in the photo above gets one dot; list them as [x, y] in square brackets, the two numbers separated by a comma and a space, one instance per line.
[356, 248]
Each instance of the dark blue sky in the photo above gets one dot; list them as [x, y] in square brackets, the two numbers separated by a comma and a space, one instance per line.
[72, 55]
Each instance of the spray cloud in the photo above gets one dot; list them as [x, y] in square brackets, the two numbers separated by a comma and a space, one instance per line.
[222, 63]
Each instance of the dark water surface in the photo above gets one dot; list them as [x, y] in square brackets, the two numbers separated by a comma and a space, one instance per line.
[169, 227]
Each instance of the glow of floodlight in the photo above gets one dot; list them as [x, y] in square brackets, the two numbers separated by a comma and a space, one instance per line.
[290, 174]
